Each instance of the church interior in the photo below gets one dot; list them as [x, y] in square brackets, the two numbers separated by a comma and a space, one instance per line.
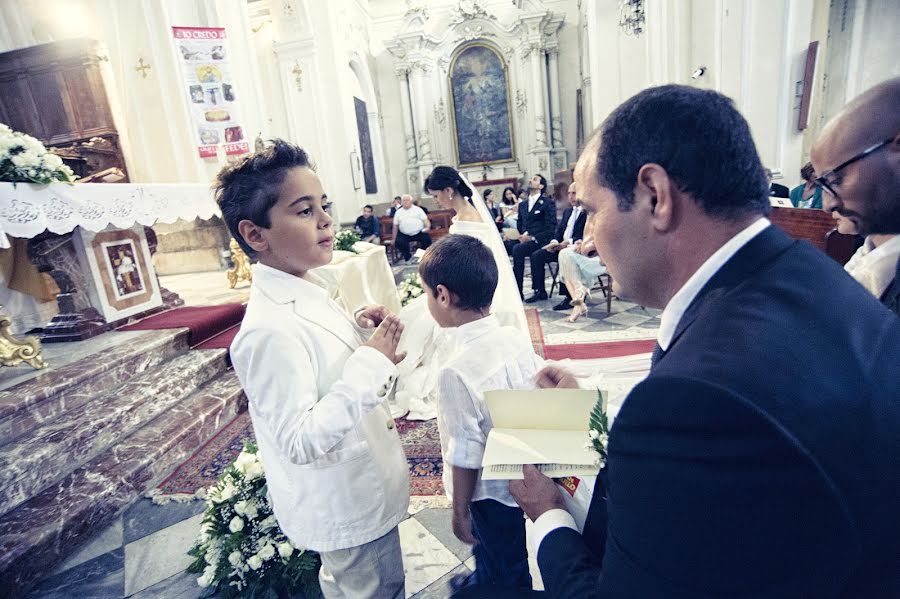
[121, 288]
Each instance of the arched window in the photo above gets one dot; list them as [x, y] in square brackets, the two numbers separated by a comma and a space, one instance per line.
[480, 103]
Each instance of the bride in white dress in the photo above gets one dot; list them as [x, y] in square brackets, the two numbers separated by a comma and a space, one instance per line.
[425, 342]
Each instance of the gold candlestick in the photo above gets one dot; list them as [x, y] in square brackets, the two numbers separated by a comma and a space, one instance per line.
[241, 270]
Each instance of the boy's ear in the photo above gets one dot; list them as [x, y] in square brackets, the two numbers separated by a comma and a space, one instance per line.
[252, 234]
[444, 297]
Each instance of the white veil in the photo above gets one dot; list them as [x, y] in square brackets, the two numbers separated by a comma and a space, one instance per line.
[507, 304]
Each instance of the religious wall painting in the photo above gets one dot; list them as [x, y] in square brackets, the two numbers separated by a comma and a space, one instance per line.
[365, 146]
[479, 95]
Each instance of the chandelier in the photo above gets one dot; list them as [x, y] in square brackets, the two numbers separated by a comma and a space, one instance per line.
[631, 16]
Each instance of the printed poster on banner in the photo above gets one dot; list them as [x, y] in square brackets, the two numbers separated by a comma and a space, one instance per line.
[209, 86]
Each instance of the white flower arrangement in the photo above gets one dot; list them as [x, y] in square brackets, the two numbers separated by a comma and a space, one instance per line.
[23, 159]
[344, 240]
[598, 431]
[241, 551]
[410, 288]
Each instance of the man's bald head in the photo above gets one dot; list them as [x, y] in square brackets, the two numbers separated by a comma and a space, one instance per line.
[866, 191]
[868, 119]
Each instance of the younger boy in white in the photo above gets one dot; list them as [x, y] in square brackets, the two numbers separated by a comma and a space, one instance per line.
[460, 275]
[335, 469]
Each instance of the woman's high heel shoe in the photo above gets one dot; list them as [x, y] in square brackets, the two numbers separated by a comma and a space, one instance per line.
[578, 310]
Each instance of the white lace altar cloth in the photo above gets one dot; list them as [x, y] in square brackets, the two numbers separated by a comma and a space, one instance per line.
[26, 209]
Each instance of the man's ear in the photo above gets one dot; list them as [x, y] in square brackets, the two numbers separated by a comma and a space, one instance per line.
[253, 235]
[656, 190]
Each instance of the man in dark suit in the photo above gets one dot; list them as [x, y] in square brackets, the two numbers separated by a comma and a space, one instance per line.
[759, 457]
[569, 230]
[536, 224]
[857, 158]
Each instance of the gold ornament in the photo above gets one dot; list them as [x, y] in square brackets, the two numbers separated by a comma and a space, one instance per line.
[13, 351]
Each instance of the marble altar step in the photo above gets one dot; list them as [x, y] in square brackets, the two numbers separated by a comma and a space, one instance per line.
[56, 448]
[48, 528]
[59, 390]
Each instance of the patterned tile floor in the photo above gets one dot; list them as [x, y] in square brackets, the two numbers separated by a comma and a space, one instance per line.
[142, 554]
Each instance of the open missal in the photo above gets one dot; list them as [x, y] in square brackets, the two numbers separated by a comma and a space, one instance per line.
[544, 427]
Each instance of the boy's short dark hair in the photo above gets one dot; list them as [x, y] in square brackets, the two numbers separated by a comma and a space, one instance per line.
[543, 183]
[465, 266]
[369, 206]
[248, 189]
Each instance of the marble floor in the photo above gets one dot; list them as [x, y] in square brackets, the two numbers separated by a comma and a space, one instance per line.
[142, 554]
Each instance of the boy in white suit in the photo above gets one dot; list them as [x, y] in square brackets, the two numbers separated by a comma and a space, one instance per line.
[336, 472]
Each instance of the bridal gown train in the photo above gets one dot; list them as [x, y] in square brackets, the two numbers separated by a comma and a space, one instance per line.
[426, 343]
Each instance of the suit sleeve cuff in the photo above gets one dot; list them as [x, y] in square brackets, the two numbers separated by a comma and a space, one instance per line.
[548, 522]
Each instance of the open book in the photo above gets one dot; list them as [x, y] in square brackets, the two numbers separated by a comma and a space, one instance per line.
[544, 427]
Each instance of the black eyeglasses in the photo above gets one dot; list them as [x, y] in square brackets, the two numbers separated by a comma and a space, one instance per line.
[828, 178]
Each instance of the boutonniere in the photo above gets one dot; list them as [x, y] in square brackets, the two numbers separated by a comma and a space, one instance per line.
[598, 431]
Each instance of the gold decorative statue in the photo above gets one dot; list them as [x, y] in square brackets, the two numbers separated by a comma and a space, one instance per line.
[13, 351]
[241, 270]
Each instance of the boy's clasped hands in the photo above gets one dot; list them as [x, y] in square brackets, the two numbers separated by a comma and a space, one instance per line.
[387, 334]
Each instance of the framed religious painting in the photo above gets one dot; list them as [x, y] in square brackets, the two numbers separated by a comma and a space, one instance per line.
[120, 275]
[479, 100]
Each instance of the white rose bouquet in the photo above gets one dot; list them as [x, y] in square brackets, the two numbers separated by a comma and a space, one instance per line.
[23, 159]
[345, 239]
[409, 288]
[241, 551]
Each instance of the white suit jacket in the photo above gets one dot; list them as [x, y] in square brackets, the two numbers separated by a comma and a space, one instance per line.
[335, 468]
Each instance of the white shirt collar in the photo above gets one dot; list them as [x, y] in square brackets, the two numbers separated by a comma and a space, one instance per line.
[475, 329]
[284, 287]
[674, 310]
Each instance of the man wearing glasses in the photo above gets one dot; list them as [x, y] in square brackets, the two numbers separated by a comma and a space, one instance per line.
[858, 156]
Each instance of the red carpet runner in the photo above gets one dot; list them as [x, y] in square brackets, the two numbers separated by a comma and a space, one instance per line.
[205, 323]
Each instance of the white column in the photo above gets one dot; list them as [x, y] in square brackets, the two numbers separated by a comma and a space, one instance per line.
[538, 90]
[409, 133]
[421, 118]
[555, 118]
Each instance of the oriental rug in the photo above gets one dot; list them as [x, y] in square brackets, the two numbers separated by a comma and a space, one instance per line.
[420, 441]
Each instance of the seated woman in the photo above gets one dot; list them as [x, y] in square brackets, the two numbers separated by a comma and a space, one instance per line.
[509, 210]
[807, 195]
[579, 267]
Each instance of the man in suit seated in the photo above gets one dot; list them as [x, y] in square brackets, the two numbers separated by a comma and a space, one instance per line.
[857, 158]
[569, 230]
[536, 224]
[759, 457]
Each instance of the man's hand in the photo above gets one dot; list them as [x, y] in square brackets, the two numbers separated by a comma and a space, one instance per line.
[386, 337]
[535, 493]
[462, 525]
[555, 377]
[371, 316]
[525, 237]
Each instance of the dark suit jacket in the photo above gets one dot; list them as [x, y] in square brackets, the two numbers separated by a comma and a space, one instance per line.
[578, 231]
[891, 295]
[760, 456]
[540, 222]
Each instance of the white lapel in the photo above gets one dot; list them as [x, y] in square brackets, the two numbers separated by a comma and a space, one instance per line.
[310, 300]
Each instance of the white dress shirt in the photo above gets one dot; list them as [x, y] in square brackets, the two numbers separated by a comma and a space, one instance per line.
[570, 225]
[532, 199]
[553, 519]
[484, 356]
[335, 469]
[875, 267]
